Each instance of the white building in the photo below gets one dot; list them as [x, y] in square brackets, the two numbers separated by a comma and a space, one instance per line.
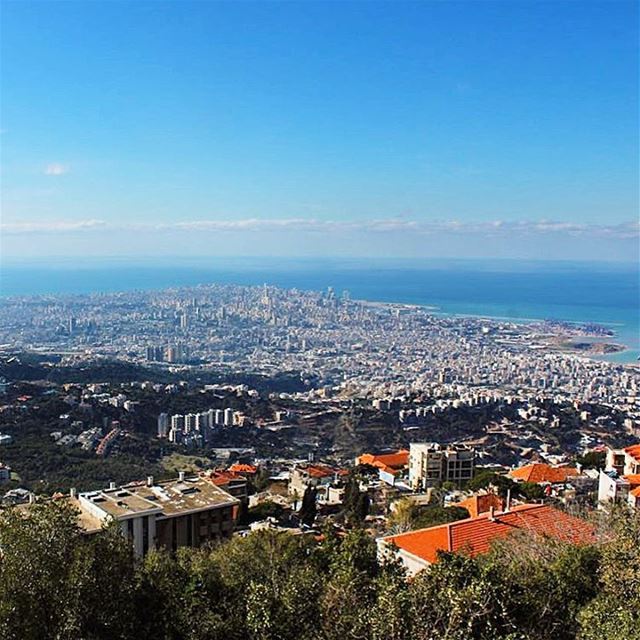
[431, 463]
[189, 511]
[163, 425]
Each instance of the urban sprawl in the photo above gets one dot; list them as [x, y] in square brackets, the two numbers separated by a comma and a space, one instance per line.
[189, 414]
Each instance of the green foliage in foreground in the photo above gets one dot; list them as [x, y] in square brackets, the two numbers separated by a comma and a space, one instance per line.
[57, 585]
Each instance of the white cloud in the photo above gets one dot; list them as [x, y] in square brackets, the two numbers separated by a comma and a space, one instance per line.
[491, 228]
[20, 228]
[56, 169]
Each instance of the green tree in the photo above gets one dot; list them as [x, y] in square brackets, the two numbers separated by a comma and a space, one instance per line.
[615, 612]
[407, 515]
[356, 502]
[56, 583]
[308, 509]
[37, 551]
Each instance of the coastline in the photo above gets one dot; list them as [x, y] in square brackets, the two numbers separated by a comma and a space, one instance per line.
[525, 296]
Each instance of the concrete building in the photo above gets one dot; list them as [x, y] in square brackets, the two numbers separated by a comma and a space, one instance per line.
[189, 511]
[320, 476]
[624, 461]
[163, 425]
[190, 422]
[431, 463]
[177, 422]
[620, 480]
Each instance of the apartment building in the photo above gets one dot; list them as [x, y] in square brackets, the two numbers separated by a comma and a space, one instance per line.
[187, 512]
[431, 463]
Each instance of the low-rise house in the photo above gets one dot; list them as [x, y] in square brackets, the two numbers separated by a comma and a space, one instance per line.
[389, 465]
[624, 461]
[620, 480]
[233, 483]
[320, 476]
[418, 549]
[614, 488]
[387, 461]
[481, 503]
[542, 473]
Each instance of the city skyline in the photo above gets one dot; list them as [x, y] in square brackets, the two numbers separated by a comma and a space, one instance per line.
[414, 129]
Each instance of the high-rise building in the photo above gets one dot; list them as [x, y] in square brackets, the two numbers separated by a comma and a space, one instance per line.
[177, 353]
[202, 421]
[154, 353]
[190, 422]
[177, 422]
[163, 425]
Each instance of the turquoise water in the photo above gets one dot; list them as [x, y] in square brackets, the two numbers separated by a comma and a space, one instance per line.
[581, 292]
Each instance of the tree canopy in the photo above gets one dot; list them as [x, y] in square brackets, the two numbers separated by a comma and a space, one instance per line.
[57, 584]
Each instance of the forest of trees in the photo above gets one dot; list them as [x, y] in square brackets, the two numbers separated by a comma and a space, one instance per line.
[56, 584]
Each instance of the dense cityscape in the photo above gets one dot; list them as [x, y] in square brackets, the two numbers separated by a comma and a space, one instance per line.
[188, 416]
[319, 320]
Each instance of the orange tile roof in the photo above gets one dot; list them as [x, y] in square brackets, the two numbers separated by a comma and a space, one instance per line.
[540, 472]
[635, 492]
[386, 461]
[475, 535]
[478, 504]
[222, 478]
[633, 479]
[634, 451]
[243, 468]
[323, 471]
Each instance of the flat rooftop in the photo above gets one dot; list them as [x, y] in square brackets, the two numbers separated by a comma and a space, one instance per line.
[120, 503]
[183, 496]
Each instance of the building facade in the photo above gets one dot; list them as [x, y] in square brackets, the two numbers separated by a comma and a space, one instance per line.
[431, 464]
[189, 511]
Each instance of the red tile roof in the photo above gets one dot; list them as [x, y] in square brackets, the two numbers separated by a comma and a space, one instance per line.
[322, 471]
[475, 535]
[633, 479]
[476, 505]
[540, 472]
[386, 461]
[243, 468]
[634, 451]
[221, 478]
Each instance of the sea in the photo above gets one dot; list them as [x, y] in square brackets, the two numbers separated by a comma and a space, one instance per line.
[581, 292]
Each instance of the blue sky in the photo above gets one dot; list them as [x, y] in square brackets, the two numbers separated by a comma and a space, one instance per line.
[502, 129]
